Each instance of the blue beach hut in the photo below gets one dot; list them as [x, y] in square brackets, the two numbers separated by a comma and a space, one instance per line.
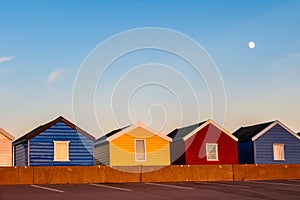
[268, 143]
[57, 143]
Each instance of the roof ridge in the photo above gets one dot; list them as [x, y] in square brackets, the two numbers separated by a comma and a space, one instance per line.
[7, 134]
[112, 132]
[246, 133]
[269, 122]
[201, 122]
[43, 127]
[183, 131]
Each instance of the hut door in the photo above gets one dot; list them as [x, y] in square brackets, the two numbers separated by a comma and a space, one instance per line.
[140, 150]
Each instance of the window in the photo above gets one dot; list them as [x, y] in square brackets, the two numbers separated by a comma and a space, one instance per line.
[140, 150]
[278, 151]
[61, 151]
[212, 152]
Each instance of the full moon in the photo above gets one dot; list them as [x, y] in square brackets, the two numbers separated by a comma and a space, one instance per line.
[251, 45]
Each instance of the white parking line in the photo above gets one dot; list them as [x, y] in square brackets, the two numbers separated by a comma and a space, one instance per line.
[170, 186]
[225, 184]
[46, 188]
[111, 187]
[297, 181]
[273, 183]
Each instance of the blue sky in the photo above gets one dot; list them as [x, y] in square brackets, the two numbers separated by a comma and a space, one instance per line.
[44, 43]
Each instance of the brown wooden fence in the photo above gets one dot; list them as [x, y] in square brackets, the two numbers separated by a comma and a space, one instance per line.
[104, 174]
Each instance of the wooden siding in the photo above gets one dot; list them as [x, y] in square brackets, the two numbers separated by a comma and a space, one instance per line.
[81, 149]
[196, 147]
[277, 134]
[101, 154]
[177, 149]
[246, 153]
[122, 152]
[5, 151]
[20, 154]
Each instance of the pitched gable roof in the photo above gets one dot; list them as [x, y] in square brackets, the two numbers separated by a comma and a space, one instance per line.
[245, 134]
[102, 138]
[251, 133]
[6, 134]
[180, 133]
[186, 132]
[119, 132]
[48, 125]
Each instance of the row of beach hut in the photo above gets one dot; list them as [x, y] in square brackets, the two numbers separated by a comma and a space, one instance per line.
[61, 143]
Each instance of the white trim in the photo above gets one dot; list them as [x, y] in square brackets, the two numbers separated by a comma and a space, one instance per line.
[217, 152]
[254, 154]
[100, 142]
[135, 158]
[204, 125]
[28, 153]
[195, 131]
[138, 125]
[68, 149]
[277, 122]
[7, 134]
[13, 155]
[274, 144]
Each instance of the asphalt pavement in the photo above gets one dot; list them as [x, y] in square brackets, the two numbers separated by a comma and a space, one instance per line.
[272, 190]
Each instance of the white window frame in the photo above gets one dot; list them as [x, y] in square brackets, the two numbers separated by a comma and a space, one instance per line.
[135, 153]
[217, 152]
[278, 144]
[68, 149]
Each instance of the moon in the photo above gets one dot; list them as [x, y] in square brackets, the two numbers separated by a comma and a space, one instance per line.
[251, 45]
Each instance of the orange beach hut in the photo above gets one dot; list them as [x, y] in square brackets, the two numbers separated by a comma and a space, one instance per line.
[131, 146]
[5, 148]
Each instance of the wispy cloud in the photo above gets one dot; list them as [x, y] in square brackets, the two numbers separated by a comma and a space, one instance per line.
[6, 58]
[55, 75]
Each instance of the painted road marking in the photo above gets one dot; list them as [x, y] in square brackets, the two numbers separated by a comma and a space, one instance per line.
[225, 184]
[273, 183]
[46, 188]
[297, 181]
[111, 187]
[170, 186]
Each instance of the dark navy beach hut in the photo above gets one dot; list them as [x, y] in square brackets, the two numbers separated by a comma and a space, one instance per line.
[57, 143]
[268, 143]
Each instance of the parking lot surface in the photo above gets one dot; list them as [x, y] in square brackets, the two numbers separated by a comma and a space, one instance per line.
[289, 190]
